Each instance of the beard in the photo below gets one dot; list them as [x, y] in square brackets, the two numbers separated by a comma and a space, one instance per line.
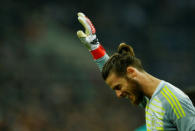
[134, 90]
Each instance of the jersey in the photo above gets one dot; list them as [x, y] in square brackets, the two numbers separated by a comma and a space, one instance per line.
[169, 109]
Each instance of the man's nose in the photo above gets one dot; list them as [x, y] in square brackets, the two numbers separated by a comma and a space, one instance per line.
[118, 93]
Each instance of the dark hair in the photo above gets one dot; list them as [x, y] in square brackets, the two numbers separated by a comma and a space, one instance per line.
[119, 61]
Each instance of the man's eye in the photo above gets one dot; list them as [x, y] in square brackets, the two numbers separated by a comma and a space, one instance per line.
[117, 87]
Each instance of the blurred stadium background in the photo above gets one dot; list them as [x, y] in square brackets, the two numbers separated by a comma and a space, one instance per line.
[48, 79]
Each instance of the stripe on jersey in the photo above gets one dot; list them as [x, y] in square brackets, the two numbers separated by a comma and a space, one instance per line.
[160, 123]
[173, 101]
[148, 113]
[148, 125]
[158, 106]
[170, 104]
[148, 118]
[176, 101]
[160, 128]
[157, 100]
[161, 113]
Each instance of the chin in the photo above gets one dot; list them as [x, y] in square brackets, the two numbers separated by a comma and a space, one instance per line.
[135, 103]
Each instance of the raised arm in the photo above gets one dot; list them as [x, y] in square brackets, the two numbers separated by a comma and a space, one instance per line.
[90, 40]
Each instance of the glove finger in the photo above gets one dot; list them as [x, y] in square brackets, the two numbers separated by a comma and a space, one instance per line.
[91, 27]
[83, 21]
[93, 30]
[81, 34]
[81, 14]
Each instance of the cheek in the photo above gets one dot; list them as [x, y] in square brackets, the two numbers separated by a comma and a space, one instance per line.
[130, 85]
[134, 89]
[130, 90]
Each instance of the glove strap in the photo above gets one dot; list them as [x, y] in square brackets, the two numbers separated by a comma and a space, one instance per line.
[98, 52]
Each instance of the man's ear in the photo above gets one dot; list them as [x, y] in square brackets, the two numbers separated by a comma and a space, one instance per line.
[131, 72]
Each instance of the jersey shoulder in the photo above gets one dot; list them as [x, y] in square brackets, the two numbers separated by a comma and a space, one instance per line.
[175, 101]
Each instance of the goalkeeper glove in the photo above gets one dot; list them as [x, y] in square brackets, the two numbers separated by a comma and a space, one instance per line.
[90, 40]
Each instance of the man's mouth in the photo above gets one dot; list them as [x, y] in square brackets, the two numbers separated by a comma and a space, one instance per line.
[126, 95]
[129, 97]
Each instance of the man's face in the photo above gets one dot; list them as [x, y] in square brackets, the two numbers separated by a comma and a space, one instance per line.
[125, 87]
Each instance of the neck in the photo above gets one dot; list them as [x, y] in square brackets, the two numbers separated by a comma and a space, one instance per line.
[149, 84]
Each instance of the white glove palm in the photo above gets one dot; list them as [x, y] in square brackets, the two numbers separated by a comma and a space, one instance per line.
[88, 38]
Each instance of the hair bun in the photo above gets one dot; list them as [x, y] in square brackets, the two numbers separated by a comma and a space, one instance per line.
[125, 49]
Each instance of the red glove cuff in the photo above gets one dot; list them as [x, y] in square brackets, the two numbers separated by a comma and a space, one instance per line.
[98, 53]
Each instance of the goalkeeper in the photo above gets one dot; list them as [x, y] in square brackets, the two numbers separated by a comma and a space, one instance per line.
[166, 106]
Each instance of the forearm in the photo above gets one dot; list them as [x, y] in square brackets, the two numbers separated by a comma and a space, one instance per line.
[100, 56]
[90, 40]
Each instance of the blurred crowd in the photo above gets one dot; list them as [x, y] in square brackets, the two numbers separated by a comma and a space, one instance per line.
[48, 79]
